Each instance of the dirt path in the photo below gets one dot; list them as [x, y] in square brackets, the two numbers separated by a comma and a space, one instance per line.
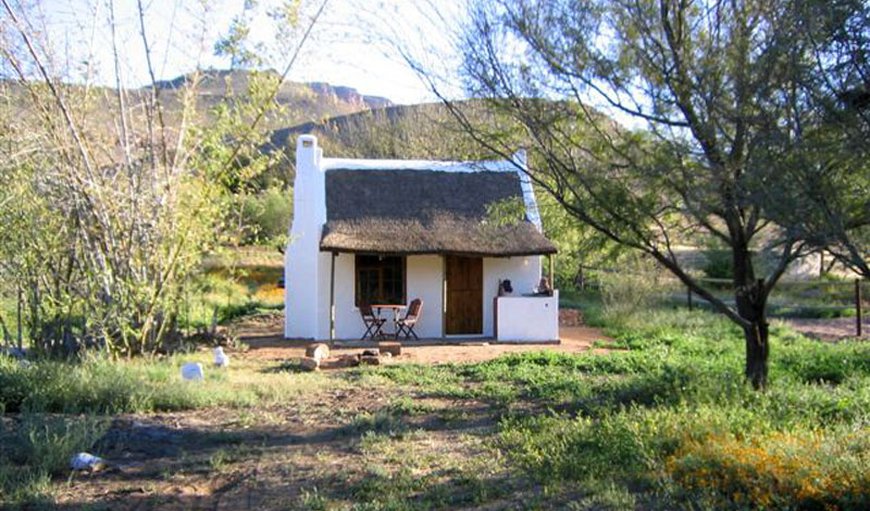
[280, 457]
[344, 438]
[266, 342]
[828, 329]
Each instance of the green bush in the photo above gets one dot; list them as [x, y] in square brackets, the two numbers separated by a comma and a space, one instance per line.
[267, 215]
[718, 264]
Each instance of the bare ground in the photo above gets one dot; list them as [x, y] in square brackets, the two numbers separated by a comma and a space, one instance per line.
[327, 444]
[263, 336]
[341, 441]
[832, 329]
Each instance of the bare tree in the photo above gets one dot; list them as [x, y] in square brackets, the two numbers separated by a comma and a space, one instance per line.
[707, 88]
[107, 229]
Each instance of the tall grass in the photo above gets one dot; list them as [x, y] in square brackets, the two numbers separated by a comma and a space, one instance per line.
[37, 447]
[98, 385]
[667, 416]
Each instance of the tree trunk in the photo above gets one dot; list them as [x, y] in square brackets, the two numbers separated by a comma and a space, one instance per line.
[757, 350]
[751, 300]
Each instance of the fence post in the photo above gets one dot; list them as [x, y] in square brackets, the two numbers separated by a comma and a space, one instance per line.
[20, 335]
[858, 307]
[689, 297]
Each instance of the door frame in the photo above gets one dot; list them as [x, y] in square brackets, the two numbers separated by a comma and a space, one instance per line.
[444, 290]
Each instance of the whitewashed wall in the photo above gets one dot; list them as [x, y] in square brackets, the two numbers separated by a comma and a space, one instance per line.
[424, 276]
[523, 272]
[528, 318]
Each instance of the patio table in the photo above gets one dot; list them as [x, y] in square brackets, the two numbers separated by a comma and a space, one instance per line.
[397, 308]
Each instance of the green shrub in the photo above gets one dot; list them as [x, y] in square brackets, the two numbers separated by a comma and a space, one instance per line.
[718, 264]
[268, 215]
[814, 362]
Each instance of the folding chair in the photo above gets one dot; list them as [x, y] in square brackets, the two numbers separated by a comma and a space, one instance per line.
[373, 323]
[405, 326]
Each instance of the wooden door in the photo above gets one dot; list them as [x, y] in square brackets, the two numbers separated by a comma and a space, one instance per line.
[464, 296]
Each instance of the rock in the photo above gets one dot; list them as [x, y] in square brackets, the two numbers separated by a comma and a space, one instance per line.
[309, 363]
[87, 461]
[393, 348]
[570, 317]
[370, 360]
[369, 353]
[350, 360]
[19, 353]
[386, 354]
[340, 362]
[220, 358]
[319, 351]
[192, 371]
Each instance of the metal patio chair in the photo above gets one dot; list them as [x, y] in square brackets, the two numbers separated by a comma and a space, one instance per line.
[373, 323]
[405, 326]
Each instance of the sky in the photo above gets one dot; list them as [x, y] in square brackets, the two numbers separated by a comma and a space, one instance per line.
[353, 42]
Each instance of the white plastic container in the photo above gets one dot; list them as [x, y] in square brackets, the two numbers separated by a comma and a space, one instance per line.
[220, 358]
[86, 461]
[192, 371]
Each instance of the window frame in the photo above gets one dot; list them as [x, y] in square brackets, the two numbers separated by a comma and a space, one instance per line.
[361, 265]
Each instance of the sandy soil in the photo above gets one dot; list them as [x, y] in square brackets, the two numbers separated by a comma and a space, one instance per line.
[270, 457]
[828, 329]
[266, 342]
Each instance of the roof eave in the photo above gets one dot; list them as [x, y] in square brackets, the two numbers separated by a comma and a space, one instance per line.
[518, 253]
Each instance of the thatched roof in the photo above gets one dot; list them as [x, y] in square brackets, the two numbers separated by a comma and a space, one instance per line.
[401, 211]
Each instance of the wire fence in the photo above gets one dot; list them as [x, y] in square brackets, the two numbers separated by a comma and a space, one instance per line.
[814, 299]
[845, 300]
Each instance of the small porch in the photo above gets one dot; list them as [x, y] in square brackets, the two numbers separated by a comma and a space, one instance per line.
[460, 295]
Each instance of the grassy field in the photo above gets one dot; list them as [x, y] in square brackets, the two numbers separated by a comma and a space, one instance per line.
[661, 421]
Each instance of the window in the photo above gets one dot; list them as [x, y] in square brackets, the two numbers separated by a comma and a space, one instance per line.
[380, 279]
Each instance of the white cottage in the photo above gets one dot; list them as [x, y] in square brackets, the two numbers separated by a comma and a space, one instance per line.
[390, 231]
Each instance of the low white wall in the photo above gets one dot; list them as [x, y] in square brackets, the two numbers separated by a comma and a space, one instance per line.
[523, 272]
[528, 318]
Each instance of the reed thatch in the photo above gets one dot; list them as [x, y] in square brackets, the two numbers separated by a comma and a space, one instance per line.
[424, 212]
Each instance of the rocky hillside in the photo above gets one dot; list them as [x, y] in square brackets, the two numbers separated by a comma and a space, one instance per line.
[305, 102]
[426, 131]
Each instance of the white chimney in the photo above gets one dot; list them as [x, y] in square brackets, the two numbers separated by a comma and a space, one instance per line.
[304, 263]
[521, 160]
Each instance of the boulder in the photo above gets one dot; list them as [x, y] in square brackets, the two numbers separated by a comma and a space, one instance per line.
[319, 351]
[220, 358]
[393, 348]
[309, 363]
[87, 461]
[372, 360]
[192, 371]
